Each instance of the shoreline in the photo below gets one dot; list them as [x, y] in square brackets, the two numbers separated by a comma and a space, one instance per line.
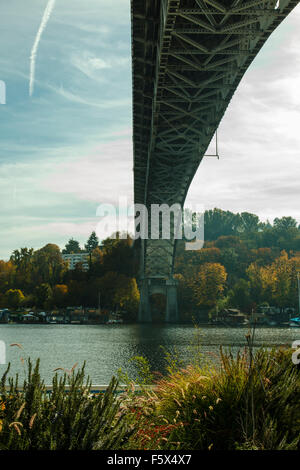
[206, 325]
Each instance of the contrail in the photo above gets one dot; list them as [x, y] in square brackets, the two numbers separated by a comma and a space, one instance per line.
[45, 19]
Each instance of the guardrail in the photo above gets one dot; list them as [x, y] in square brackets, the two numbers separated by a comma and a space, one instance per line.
[95, 389]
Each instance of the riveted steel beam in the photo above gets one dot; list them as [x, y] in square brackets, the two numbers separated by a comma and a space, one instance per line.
[188, 59]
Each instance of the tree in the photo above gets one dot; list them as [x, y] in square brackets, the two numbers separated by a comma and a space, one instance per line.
[92, 243]
[249, 222]
[118, 256]
[49, 266]
[189, 261]
[7, 272]
[126, 295]
[295, 269]
[219, 222]
[59, 295]
[14, 298]
[285, 223]
[258, 285]
[23, 261]
[43, 295]
[117, 291]
[209, 283]
[274, 283]
[71, 247]
[185, 296]
[230, 260]
[107, 287]
[263, 256]
[76, 293]
[280, 276]
[22, 257]
[96, 263]
[228, 241]
[240, 295]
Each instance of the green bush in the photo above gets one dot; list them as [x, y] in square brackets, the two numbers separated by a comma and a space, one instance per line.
[250, 402]
[31, 418]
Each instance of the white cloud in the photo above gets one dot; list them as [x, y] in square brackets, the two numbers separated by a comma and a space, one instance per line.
[100, 176]
[89, 64]
[75, 98]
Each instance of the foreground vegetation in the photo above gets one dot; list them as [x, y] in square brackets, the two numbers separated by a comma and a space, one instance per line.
[36, 420]
[248, 402]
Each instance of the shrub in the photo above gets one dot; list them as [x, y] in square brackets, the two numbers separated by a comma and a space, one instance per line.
[247, 402]
[31, 418]
[250, 402]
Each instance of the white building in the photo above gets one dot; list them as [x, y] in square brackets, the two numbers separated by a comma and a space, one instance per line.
[75, 258]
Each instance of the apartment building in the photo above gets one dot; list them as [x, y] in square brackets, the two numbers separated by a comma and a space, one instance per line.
[75, 258]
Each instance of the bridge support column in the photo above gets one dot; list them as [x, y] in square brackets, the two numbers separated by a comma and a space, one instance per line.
[172, 305]
[154, 286]
[145, 315]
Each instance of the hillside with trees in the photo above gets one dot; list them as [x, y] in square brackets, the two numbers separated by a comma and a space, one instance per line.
[42, 279]
[244, 263]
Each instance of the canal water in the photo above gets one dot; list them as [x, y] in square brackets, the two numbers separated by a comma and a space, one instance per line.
[106, 348]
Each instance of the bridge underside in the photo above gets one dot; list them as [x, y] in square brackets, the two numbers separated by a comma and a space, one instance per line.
[188, 59]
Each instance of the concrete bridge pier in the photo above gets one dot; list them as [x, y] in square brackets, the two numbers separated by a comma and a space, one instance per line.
[158, 286]
[172, 306]
[145, 315]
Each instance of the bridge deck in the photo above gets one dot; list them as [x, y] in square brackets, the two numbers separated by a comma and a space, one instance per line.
[188, 59]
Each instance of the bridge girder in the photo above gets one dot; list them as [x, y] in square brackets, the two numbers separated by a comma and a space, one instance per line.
[188, 59]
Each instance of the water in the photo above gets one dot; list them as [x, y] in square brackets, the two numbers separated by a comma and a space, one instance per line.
[106, 348]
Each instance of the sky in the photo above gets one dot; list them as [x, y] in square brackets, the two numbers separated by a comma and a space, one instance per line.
[66, 148]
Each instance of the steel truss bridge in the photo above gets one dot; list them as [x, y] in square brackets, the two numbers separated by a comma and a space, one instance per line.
[188, 58]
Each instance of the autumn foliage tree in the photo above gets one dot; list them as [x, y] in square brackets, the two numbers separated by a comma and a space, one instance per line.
[208, 284]
[59, 295]
[14, 298]
[276, 282]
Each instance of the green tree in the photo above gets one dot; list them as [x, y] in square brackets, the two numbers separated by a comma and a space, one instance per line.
[249, 222]
[257, 285]
[22, 257]
[230, 259]
[240, 296]
[7, 274]
[280, 276]
[77, 293]
[185, 293]
[96, 263]
[118, 256]
[219, 222]
[107, 287]
[126, 296]
[92, 243]
[72, 247]
[285, 223]
[43, 294]
[23, 261]
[49, 266]
[14, 298]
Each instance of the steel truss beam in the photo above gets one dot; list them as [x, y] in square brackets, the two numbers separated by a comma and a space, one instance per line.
[188, 59]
